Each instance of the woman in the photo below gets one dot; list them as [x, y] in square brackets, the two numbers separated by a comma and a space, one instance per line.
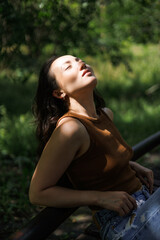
[77, 136]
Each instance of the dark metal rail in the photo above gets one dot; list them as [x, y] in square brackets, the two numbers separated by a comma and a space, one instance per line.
[41, 226]
[146, 145]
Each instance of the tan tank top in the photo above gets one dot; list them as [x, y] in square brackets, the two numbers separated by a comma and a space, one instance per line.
[105, 165]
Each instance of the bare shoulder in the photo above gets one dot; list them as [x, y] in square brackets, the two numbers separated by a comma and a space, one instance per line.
[71, 134]
[71, 128]
[109, 112]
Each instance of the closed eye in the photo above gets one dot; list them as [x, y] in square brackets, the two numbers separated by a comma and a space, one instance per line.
[69, 66]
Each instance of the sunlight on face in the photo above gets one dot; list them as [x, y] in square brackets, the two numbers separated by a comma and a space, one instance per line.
[72, 74]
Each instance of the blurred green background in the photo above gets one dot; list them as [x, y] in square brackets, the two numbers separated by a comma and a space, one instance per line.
[118, 38]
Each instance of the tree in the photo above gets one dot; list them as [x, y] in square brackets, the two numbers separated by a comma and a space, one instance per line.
[126, 21]
[31, 28]
[31, 31]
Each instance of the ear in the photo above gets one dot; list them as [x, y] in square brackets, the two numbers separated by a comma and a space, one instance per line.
[59, 94]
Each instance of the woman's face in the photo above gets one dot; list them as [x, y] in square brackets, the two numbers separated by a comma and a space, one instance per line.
[73, 75]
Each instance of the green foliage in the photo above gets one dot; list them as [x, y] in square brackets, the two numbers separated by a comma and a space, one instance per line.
[15, 208]
[133, 96]
[17, 162]
[137, 20]
[34, 30]
[29, 26]
[125, 21]
[18, 96]
[17, 135]
[118, 38]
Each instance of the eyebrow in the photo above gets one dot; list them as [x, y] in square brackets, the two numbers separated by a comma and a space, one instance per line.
[67, 62]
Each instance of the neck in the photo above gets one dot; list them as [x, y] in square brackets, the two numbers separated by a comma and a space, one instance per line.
[84, 106]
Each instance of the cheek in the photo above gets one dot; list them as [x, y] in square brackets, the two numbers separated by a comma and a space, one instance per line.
[70, 81]
[71, 77]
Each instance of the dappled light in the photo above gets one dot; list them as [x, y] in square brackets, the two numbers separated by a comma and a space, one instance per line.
[119, 39]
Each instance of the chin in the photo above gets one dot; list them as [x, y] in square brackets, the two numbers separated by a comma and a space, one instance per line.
[94, 81]
[89, 82]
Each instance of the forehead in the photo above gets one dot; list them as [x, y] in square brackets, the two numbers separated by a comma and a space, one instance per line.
[62, 60]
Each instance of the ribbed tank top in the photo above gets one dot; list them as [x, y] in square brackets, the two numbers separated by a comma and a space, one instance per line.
[105, 165]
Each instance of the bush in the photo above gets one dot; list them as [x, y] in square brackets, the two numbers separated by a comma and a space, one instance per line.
[17, 136]
[132, 95]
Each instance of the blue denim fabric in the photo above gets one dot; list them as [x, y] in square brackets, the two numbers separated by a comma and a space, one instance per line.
[142, 223]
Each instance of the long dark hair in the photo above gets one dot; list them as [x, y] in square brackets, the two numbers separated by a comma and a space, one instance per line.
[48, 109]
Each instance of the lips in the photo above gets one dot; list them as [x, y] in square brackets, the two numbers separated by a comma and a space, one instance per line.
[85, 71]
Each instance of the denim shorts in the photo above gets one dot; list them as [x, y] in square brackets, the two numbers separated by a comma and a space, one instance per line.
[113, 226]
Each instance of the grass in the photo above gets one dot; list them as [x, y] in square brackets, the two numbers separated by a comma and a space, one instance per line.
[133, 96]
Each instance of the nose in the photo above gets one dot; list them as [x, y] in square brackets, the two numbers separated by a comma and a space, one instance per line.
[82, 65]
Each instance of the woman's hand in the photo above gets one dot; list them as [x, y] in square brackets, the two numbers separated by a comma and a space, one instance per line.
[144, 174]
[120, 202]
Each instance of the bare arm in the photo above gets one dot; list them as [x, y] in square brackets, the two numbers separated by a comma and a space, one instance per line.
[64, 145]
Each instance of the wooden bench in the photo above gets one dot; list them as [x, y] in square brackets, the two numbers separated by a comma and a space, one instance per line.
[48, 220]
